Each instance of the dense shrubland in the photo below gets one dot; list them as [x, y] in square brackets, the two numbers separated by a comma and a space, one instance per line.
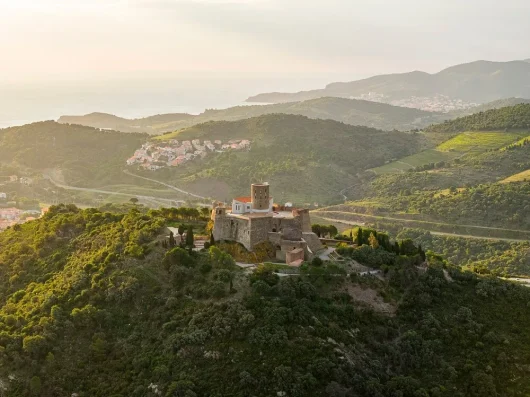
[93, 304]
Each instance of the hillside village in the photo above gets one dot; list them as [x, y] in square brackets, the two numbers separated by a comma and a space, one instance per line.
[153, 156]
[10, 215]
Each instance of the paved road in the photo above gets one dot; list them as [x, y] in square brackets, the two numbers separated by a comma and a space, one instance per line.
[432, 231]
[168, 186]
[86, 189]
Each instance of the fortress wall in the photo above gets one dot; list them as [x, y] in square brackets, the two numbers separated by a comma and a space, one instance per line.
[275, 238]
[259, 229]
[304, 219]
[233, 229]
[313, 242]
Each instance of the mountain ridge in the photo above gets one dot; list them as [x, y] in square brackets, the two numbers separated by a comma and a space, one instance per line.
[350, 111]
[478, 81]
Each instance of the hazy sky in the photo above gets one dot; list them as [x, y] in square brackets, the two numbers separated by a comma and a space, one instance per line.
[73, 39]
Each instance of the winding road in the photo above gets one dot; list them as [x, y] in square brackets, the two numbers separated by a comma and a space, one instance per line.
[168, 186]
[435, 233]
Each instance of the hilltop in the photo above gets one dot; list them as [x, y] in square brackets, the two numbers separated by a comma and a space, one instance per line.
[349, 111]
[92, 304]
[499, 103]
[306, 160]
[112, 122]
[85, 155]
[480, 82]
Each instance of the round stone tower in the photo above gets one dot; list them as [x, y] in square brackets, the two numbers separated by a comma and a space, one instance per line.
[259, 193]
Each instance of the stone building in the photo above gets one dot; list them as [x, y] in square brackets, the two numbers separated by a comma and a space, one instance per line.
[252, 220]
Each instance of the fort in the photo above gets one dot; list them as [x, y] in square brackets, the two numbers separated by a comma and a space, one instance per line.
[254, 220]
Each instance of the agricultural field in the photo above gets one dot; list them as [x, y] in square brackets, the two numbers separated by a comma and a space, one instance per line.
[479, 141]
[520, 177]
[458, 146]
[416, 160]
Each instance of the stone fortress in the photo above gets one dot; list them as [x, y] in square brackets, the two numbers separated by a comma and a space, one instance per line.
[255, 219]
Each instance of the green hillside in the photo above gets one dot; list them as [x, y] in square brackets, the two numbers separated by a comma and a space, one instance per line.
[92, 305]
[520, 177]
[349, 111]
[497, 104]
[508, 118]
[86, 156]
[305, 160]
[462, 147]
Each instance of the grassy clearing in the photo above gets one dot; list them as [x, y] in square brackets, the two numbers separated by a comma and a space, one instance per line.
[416, 160]
[479, 141]
[520, 177]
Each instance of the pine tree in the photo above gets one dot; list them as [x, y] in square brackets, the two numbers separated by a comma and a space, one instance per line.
[212, 240]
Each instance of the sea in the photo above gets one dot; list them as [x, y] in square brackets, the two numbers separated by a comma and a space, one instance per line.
[23, 102]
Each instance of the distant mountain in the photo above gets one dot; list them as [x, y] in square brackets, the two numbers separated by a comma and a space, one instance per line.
[112, 122]
[479, 82]
[354, 112]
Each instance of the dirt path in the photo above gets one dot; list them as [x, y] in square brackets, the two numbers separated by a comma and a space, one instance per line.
[469, 236]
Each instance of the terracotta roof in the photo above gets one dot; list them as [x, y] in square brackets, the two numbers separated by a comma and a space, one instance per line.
[243, 199]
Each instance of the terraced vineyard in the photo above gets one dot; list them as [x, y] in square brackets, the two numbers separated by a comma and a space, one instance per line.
[416, 160]
[458, 146]
[479, 141]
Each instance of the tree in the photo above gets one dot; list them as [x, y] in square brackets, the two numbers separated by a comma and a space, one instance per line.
[134, 200]
[359, 236]
[181, 231]
[205, 212]
[212, 240]
[226, 276]
[422, 253]
[332, 231]
[317, 261]
[189, 237]
[372, 241]
[317, 229]
[172, 241]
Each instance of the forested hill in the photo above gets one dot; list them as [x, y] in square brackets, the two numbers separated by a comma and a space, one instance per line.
[480, 82]
[92, 304]
[500, 103]
[83, 154]
[305, 160]
[349, 111]
[511, 118]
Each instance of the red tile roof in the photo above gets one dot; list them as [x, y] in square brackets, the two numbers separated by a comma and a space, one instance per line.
[244, 199]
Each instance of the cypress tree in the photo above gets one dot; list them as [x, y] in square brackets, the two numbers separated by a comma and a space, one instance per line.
[360, 236]
[172, 241]
[189, 237]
